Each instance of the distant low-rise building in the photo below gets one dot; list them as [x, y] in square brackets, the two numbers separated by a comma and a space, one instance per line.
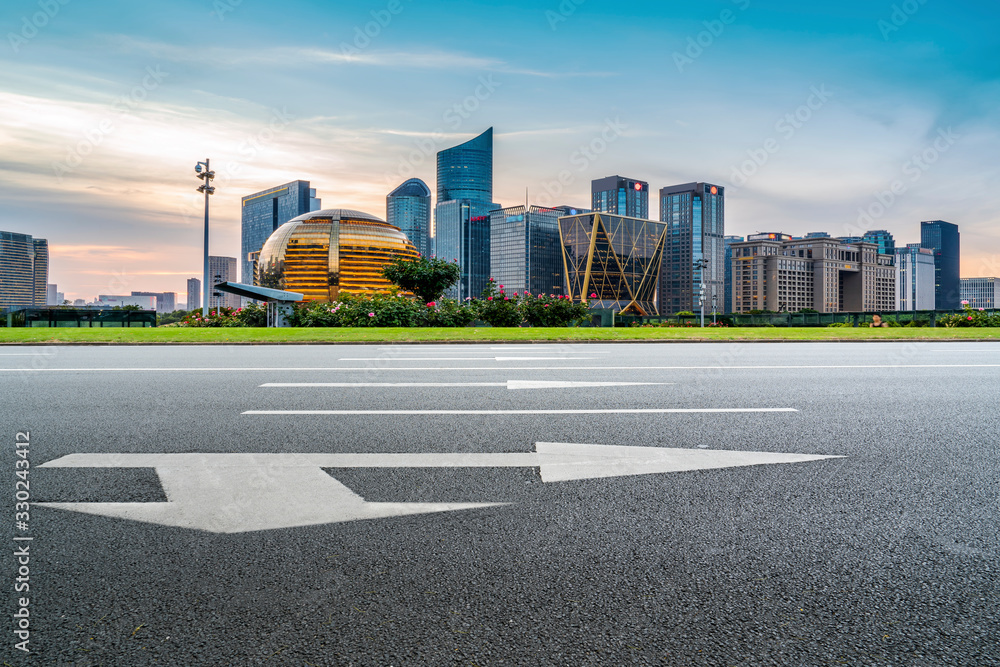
[121, 300]
[166, 302]
[981, 292]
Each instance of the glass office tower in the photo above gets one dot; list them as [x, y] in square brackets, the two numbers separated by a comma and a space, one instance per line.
[943, 238]
[462, 214]
[463, 234]
[624, 196]
[695, 215]
[264, 212]
[24, 270]
[466, 171]
[883, 239]
[409, 208]
[525, 253]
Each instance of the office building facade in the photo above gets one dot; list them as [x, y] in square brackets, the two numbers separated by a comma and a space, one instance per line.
[614, 257]
[727, 303]
[466, 171]
[51, 295]
[695, 215]
[943, 238]
[193, 294]
[525, 252]
[265, 211]
[914, 278]
[409, 208]
[981, 292]
[222, 270]
[463, 235]
[772, 272]
[621, 196]
[24, 270]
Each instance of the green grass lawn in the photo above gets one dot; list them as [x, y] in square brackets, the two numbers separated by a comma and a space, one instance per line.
[174, 335]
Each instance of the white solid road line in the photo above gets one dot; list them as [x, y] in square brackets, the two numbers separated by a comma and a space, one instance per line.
[509, 384]
[389, 358]
[609, 411]
[405, 369]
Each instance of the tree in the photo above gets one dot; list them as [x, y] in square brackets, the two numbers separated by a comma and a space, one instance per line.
[426, 278]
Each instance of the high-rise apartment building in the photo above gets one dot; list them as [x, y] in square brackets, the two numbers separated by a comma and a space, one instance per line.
[776, 273]
[525, 253]
[727, 302]
[620, 195]
[265, 211]
[166, 302]
[883, 239]
[409, 208]
[943, 238]
[221, 270]
[914, 278]
[51, 295]
[193, 294]
[461, 216]
[24, 270]
[695, 215]
[981, 292]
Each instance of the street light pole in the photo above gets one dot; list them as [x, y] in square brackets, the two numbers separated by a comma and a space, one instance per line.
[702, 264]
[715, 308]
[204, 172]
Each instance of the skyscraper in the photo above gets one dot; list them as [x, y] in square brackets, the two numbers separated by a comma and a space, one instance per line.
[461, 217]
[525, 253]
[466, 171]
[193, 294]
[264, 212]
[883, 239]
[409, 208]
[727, 302]
[221, 270]
[620, 195]
[24, 270]
[914, 278]
[943, 238]
[695, 215]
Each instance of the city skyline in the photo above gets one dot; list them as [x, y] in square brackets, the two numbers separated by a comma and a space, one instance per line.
[853, 117]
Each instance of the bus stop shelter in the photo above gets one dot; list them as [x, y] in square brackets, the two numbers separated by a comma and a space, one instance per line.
[279, 302]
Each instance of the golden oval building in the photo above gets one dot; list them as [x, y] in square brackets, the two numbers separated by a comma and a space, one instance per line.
[324, 254]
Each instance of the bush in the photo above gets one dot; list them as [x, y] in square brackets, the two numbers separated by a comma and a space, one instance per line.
[840, 325]
[970, 318]
[496, 308]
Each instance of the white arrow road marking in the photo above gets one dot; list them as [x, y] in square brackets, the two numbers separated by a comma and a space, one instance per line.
[236, 493]
[510, 384]
[611, 411]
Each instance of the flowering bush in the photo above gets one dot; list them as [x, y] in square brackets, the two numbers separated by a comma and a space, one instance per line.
[251, 315]
[498, 308]
[970, 317]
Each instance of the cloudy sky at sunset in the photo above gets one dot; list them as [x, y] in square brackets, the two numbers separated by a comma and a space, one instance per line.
[809, 113]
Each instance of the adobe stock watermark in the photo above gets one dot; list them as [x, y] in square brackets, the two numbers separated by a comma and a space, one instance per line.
[900, 16]
[913, 169]
[786, 126]
[192, 207]
[32, 25]
[698, 44]
[425, 148]
[121, 107]
[565, 10]
[365, 34]
[582, 158]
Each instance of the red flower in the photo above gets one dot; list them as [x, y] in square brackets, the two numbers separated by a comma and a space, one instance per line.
[431, 304]
[593, 295]
[970, 318]
[489, 298]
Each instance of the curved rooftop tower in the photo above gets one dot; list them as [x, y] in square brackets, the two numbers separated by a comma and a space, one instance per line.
[466, 171]
[409, 208]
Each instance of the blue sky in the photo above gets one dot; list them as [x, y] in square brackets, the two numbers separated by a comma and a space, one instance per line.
[835, 117]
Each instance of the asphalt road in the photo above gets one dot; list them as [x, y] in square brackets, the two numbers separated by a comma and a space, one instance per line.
[888, 555]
